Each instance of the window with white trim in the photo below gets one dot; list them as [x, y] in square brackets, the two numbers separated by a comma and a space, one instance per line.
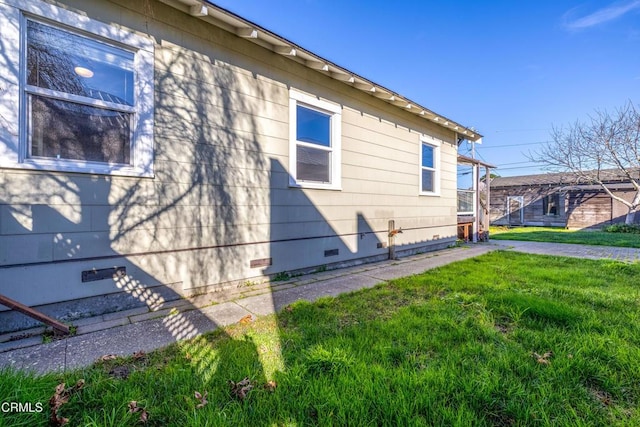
[429, 170]
[314, 133]
[86, 95]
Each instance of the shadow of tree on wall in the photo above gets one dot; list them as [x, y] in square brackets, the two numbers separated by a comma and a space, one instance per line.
[299, 227]
[179, 234]
[189, 230]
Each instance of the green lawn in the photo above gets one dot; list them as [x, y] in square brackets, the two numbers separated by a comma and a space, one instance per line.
[561, 235]
[503, 339]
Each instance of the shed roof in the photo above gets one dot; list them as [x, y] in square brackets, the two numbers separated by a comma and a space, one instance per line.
[558, 178]
[248, 30]
[471, 160]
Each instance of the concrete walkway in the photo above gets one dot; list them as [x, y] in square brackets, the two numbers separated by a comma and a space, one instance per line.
[570, 250]
[125, 333]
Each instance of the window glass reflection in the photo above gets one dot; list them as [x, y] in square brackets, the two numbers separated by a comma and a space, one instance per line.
[70, 63]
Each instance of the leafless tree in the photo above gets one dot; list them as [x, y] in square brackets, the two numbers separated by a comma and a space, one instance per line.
[602, 149]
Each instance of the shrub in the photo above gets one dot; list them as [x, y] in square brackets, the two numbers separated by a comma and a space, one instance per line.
[623, 228]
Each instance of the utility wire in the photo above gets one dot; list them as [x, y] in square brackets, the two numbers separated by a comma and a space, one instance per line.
[483, 147]
[519, 167]
[517, 163]
[519, 130]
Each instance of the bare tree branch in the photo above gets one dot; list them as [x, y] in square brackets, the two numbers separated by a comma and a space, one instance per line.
[603, 149]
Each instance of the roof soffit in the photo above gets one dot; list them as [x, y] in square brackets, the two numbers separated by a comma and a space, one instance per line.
[248, 30]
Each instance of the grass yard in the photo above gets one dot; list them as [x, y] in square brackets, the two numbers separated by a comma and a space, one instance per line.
[561, 235]
[499, 340]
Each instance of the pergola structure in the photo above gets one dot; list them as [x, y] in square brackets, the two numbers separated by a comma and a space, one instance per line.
[473, 204]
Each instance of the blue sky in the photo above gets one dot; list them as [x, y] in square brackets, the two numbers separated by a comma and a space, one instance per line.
[510, 69]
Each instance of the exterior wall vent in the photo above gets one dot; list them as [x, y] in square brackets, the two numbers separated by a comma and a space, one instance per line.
[104, 273]
[331, 252]
[262, 262]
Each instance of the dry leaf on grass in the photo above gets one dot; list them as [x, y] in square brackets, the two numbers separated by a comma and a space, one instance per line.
[140, 354]
[202, 399]
[59, 398]
[245, 320]
[544, 359]
[144, 416]
[133, 408]
[108, 357]
[241, 388]
[270, 386]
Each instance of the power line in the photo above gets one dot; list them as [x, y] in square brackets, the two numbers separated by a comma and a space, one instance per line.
[519, 130]
[518, 163]
[481, 157]
[519, 167]
[512, 145]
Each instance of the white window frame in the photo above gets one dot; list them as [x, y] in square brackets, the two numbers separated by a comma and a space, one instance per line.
[435, 144]
[13, 110]
[335, 111]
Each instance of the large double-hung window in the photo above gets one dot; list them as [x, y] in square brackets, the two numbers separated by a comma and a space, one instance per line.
[314, 142]
[85, 94]
[79, 97]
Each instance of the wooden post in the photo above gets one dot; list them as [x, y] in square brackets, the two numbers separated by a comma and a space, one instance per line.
[15, 305]
[487, 208]
[475, 228]
[392, 239]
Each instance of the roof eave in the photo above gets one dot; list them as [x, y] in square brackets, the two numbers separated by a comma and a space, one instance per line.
[248, 30]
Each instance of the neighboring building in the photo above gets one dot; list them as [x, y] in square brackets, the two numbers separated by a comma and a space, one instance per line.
[555, 199]
[153, 150]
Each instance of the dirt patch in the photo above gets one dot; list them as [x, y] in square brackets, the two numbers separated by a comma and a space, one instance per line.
[503, 328]
[121, 372]
[601, 396]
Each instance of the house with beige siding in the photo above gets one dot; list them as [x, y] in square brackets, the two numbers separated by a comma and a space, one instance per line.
[154, 150]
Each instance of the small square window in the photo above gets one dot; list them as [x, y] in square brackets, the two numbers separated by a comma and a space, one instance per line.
[314, 142]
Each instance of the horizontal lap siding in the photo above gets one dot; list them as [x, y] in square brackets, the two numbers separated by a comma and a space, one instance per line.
[498, 207]
[589, 210]
[532, 197]
[220, 196]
